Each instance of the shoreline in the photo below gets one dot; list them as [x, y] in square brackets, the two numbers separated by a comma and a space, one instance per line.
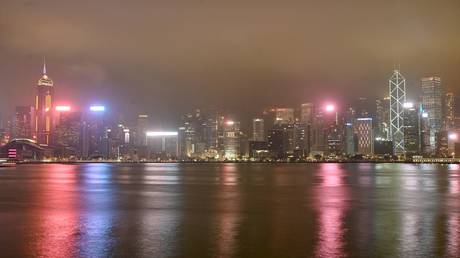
[229, 162]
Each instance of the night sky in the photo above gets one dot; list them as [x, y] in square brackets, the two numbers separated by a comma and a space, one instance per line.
[166, 57]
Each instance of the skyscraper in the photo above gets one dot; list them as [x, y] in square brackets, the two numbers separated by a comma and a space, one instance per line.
[425, 146]
[284, 116]
[449, 111]
[411, 129]
[232, 137]
[68, 134]
[432, 104]
[364, 132]
[44, 108]
[382, 127]
[258, 130]
[141, 129]
[23, 122]
[306, 113]
[350, 139]
[397, 87]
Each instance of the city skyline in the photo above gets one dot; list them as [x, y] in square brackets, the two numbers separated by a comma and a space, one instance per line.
[117, 113]
[216, 60]
[392, 127]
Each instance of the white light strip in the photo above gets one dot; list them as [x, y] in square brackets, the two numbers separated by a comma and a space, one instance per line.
[159, 134]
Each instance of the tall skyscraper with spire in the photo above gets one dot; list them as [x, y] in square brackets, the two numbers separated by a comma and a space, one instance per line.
[44, 108]
[397, 86]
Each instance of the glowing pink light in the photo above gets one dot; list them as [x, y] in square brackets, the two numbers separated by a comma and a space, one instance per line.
[230, 123]
[330, 108]
[63, 108]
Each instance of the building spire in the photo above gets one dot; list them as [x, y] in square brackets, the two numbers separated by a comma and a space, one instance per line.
[44, 66]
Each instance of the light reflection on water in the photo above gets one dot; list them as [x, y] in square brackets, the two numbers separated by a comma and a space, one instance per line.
[230, 210]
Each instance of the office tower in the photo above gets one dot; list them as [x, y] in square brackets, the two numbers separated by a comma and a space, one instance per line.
[335, 139]
[211, 132]
[275, 143]
[350, 139]
[258, 130]
[232, 137]
[193, 130]
[382, 118]
[301, 143]
[411, 129]
[397, 87]
[449, 111]
[318, 134]
[306, 113]
[269, 117]
[281, 141]
[162, 145]
[95, 136]
[68, 135]
[425, 146]
[44, 108]
[23, 122]
[432, 104]
[141, 129]
[362, 106]
[364, 133]
[182, 144]
[284, 116]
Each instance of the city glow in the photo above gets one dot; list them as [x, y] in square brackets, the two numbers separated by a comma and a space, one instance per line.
[160, 134]
[63, 108]
[330, 108]
[230, 122]
[424, 115]
[97, 108]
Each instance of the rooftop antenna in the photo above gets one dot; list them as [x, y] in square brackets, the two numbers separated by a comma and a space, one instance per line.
[44, 66]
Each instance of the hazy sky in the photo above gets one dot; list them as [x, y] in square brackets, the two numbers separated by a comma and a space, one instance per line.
[166, 57]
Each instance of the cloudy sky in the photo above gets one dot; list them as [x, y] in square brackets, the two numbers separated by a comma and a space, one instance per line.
[166, 57]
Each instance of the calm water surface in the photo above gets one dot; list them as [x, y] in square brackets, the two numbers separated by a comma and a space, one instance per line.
[230, 210]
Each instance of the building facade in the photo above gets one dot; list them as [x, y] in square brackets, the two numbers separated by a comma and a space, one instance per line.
[44, 108]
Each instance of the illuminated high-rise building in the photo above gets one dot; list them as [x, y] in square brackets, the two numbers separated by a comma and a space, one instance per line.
[68, 134]
[23, 122]
[306, 113]
[397, 87]
[284, 116]
[141, 129]
[382, 117]
[44, 108]
[449, 111]
[411, 129]
[432, 104]
[232, 138]
[365, 136]
[425, 147]
[258, 130]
